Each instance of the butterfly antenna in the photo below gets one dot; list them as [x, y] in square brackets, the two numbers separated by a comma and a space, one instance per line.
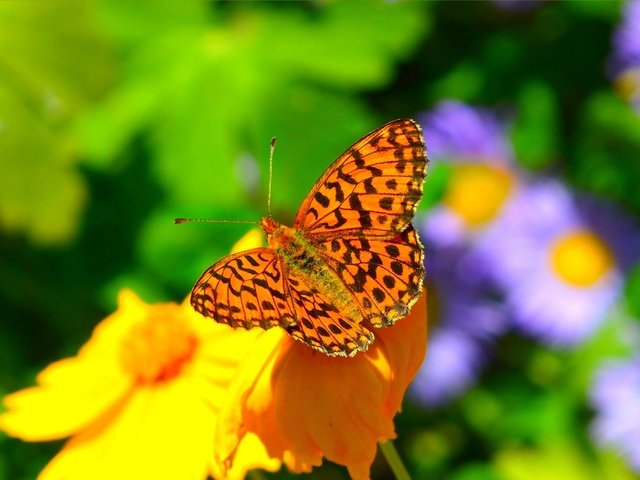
[274, 140]
[207, 220]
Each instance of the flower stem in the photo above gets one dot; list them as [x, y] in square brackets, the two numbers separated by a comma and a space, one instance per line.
[393, 459]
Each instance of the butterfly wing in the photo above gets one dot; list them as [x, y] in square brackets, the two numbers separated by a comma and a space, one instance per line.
[245, 290]
[372, 189]
[384, 276]
[322, 325]
[357, 218]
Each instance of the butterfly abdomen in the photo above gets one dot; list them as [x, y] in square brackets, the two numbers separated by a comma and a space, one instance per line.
[300, 258]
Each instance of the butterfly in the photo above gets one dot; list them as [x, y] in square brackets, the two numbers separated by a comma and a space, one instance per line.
[351, 261]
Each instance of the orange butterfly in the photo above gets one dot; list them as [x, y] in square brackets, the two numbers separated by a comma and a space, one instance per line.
[352, 259]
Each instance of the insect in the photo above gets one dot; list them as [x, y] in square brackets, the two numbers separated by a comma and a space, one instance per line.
[351, 261]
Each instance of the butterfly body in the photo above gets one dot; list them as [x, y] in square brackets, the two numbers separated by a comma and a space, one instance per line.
[350, 262]
[299, 257]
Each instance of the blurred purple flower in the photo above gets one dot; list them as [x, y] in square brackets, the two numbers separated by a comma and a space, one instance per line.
[559, 261]
[451, 367]
[463, 321]
[615, 397]
[624, 65]
[626, 38]
[475, 145]
[456, 132]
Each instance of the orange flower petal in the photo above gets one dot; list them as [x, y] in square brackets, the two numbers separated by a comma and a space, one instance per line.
[304, 405]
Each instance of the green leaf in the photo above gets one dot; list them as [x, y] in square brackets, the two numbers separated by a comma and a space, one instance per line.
[632, 291]
[535, 131]
[465, 81]
[176, 255]
[41, 192]
[475, 471]
[331, 53]
[612, 340]
[609, 10]
[560, 460]
[315, 128]
[607, 150]
[204, 89]
[522, 413]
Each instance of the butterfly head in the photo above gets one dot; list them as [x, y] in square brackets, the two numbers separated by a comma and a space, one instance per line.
[278, 236]
[268, 224]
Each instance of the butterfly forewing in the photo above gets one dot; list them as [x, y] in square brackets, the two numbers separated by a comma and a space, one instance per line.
[372, 189]
[245, 290]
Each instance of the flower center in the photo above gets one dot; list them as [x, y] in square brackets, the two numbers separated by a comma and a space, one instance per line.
[157, 349]
[477, 191]
[581, 258]
[627, 84]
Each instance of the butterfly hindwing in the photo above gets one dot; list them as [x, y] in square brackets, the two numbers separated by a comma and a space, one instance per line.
[244, 290]
[322, 325]
[384, 276]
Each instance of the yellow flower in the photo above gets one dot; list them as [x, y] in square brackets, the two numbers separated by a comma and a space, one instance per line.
[140, 400]
[161, 392]
[305, 406]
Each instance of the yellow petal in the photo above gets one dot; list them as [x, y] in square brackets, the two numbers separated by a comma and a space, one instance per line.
[84, 390]
[107, 335]
[162, 432]
[304, 405]
[252, 239]
[220, 351]
[78, 390]
[124, 427]
[247, 377]
[251, 454]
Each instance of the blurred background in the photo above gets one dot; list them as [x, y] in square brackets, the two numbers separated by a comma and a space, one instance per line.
[116, 117]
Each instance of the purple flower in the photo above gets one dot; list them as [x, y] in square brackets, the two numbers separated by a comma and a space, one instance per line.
[624, 65]
[475, 145]
[559, 261]
[451, 367]
[464, 323]
[456, 132]
[615, 397]
[626, 39]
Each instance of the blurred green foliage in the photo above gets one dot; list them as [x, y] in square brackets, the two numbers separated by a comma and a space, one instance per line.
[116, 117]
[54, 64]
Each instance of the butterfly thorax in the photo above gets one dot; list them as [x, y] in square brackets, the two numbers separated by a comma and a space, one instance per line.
[301, 259]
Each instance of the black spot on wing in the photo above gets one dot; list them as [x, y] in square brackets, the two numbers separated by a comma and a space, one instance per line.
[321, 199]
